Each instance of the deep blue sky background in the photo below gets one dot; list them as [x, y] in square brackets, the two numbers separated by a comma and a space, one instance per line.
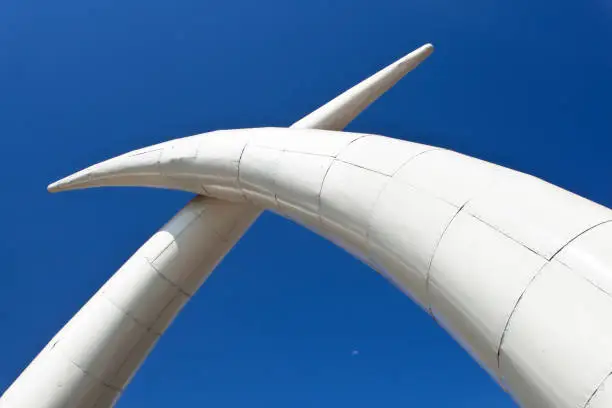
[523, 83]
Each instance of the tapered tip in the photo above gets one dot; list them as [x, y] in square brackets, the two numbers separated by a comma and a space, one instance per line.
[340, 111]
[67, 183]
[334, 115]
[419, 55]
[54, 187]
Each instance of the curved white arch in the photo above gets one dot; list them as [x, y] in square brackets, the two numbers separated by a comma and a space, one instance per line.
[517, 270]
[91, 360]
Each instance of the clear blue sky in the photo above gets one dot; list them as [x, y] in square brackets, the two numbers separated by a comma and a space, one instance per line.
[523, 83]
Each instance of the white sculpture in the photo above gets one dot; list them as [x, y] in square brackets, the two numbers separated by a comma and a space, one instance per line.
[517, 270]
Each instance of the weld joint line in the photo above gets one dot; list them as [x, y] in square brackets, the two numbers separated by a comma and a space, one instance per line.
[578, 236]
[198, 267]
[238, 183]
[129, 354]
[151, 330]
[174, 237]
[164, 277]
[428, 276]
[361, 167]
[432, 149]
[319, 215]
[588, 402]
[273, 175]
[205, 191]
[189, 225]
[161, 313]
[125, 312]
[89, 374]
[510, 237]
[346, 146]
[507, 325]
[289, 150]
[334, 158]
[371, 215]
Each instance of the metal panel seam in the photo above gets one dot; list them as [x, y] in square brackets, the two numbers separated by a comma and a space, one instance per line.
[174, 240]
[164, 277]
[129, 353]
[125, 312]
[531, 249]
[508, 236]
[475, 194]
[578, 236]
[432, 149]
[150, 327]
[371, 215]
[198, 216]
[428, 276]
[319, 216]
[240, 190]
[300, 152]
[198, 266]
[127, 358]
[588, 402]
[273, 177]
[585, 278]
[219, 235]
[163, 310]
[284, 149]
[375, 200]
[87, 373]
[382, 190]
[361, 167]
[334, 158]
[206, 192]
[348, 144]
[503, 336]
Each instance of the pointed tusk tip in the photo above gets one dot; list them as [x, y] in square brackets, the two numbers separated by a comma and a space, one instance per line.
[54, 187]
[427, 49]
[61, 185]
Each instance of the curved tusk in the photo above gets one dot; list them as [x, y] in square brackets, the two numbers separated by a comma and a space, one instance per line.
[142, 167]
[138, 287]
[340, 111]
[490, 252]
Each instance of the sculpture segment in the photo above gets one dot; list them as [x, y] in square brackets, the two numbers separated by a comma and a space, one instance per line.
[340, 111]
[516, 269]
[91, 360]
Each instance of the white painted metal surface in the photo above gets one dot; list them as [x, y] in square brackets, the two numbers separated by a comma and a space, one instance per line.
[516, 269]
[91, 360]
[568, 351]
[339, 112]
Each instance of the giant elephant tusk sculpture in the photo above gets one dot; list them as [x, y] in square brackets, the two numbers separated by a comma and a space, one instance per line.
[517, 270]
